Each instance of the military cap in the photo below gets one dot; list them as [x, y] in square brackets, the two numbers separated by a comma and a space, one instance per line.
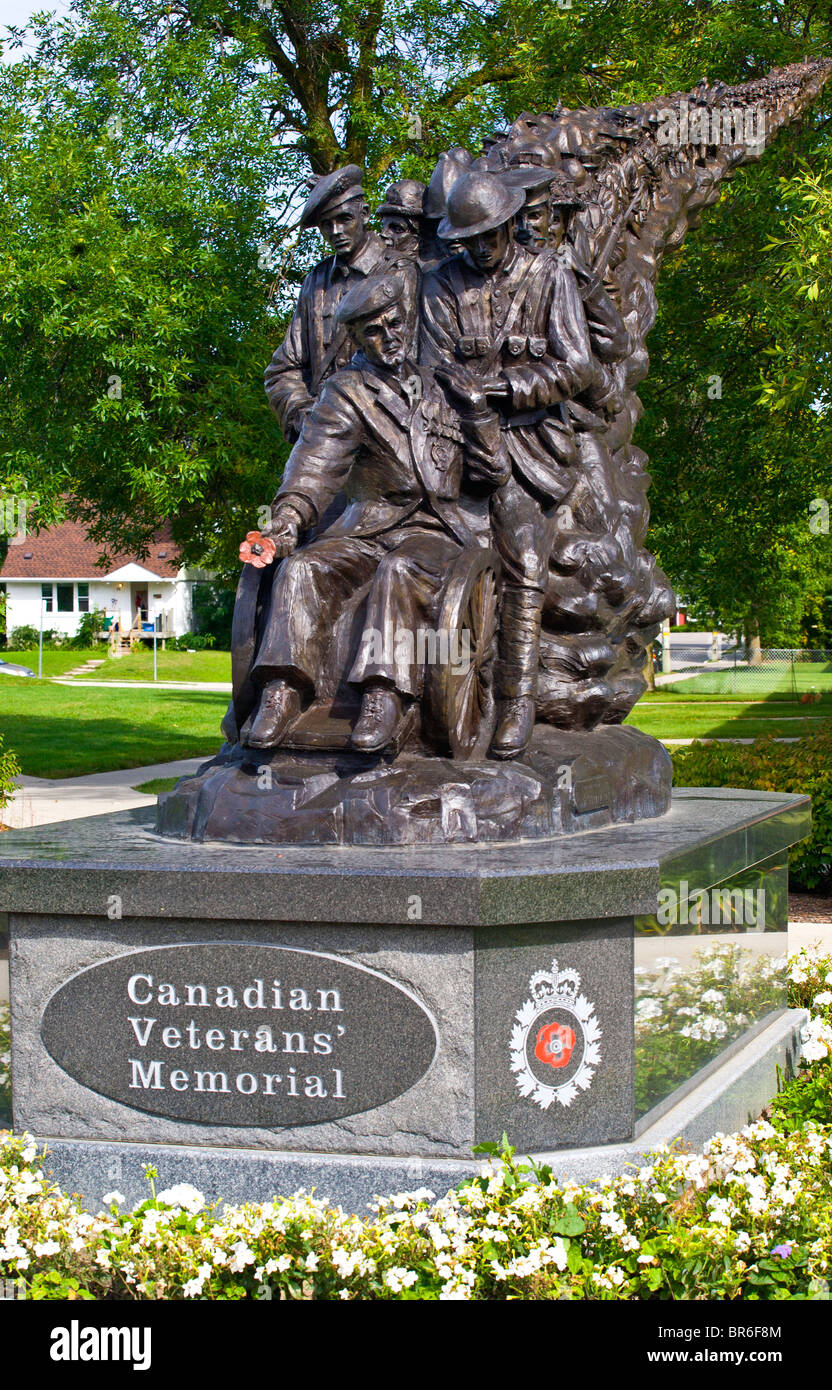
[479, 203]
[341, 186]
[404, 199]
[369, 297]
[450, 166]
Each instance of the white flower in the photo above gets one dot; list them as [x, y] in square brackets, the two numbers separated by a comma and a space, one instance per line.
[193, 1288]
[713, 996]
[241, 1256]
[825, 997]
[46, 1247]
[397, 1278]
[110, 1198]
[312, 1261]
[816, 1039]
[648, 1008]
[182, 1195]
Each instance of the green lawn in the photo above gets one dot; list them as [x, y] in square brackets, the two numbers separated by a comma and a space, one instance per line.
[157, 785]
[670, 716]
[59, 731]
[172, 666]
[55, 663]
[65, 731]
[774, 680]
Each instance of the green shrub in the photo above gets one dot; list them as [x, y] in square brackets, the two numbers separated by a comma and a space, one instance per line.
[9, 769]
[213, 611]
[805, 766]
[27, 639]
[193, 641]
[89, 631]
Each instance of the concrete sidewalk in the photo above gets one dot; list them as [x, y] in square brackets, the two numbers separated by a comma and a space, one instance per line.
[211, 687]
[44, 800]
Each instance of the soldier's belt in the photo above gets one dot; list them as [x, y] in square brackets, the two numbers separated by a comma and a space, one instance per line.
[515, 345]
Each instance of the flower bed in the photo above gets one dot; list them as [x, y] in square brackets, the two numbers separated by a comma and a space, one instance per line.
[749, 1216]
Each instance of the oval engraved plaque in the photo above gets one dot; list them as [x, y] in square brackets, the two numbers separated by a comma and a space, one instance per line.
[232, 1033]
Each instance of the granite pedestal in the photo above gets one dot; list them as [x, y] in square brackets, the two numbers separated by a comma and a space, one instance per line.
[255, 1019]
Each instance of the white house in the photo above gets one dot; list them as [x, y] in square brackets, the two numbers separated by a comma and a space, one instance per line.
[56, 572]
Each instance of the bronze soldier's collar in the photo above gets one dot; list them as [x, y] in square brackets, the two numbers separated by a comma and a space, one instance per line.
[389, 387]
[517, 259]
[363, 262]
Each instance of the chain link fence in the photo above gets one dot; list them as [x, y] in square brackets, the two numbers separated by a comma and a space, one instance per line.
[798, 675]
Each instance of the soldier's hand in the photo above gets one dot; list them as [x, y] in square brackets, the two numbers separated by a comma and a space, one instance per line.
[284, 529]
[464, 385]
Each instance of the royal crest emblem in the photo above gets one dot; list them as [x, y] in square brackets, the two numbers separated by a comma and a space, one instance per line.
[555, 1040]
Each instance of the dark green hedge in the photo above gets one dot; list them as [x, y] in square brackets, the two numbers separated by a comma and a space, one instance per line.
[805, 766]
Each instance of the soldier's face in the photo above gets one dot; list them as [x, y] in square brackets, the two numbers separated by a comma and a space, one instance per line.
[344, 228]
[488, 250]
[558, 218]
[400, 234]
[533, 223]
[383, 338]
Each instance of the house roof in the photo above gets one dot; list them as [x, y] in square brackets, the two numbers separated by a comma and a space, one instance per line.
[66, 552]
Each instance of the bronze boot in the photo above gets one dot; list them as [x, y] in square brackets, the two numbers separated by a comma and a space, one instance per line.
[381, 711]
[520, 620]
[279, 706]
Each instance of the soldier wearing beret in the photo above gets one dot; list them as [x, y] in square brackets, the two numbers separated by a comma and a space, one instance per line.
[313, 348]
[385, 432]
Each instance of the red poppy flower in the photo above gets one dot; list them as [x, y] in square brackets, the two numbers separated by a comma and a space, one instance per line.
[555, 1044]
[257, 550]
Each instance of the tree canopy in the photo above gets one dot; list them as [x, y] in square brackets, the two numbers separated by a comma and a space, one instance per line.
[153, 157]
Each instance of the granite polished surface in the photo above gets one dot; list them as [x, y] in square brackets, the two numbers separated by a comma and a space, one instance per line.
[617, 871]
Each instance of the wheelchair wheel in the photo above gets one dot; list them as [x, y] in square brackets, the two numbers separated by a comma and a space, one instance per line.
[460, 698]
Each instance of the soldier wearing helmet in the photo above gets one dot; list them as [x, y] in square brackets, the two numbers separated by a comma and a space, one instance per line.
[514, 323]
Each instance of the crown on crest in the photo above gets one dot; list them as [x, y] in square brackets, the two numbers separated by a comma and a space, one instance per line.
[555, 986]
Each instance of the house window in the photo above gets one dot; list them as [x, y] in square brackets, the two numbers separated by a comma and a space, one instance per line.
[66, 598]
[83, 598]
[46, 595]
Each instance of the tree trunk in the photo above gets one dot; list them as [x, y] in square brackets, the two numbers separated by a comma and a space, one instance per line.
[753, 648]
[648, 673]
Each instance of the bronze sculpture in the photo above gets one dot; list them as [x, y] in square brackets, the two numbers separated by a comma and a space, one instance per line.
[313, 348]
[462, 399]
[384, 429]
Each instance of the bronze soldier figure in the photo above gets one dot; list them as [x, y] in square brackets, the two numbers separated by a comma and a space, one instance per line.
[517, 322]
[402, 216]
[449, 167]
[313, 348]
[384, 431]
[404, 231]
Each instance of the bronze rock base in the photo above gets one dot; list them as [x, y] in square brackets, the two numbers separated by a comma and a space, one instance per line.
[567, 782]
